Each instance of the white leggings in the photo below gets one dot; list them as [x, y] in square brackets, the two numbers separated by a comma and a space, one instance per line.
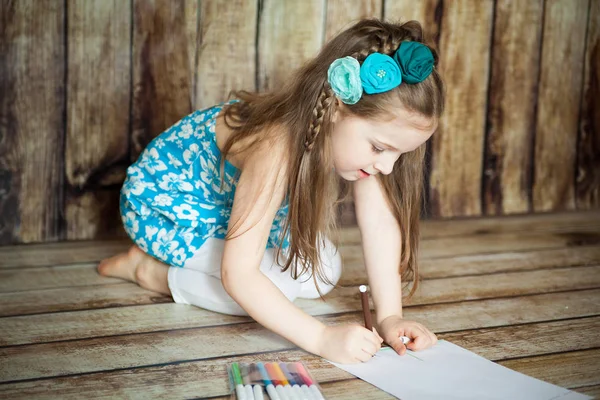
[199, 281]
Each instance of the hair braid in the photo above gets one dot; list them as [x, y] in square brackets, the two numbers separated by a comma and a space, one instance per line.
[387, 41]
[324, 103]
[385, 45]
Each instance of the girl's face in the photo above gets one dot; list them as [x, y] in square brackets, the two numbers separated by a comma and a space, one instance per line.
[362, 148]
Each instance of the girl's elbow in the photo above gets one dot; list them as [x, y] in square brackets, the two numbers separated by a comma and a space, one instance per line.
[228, 280]
[232, 280]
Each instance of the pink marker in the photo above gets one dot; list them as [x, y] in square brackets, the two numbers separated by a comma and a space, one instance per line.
[300, 370]
[314, 390]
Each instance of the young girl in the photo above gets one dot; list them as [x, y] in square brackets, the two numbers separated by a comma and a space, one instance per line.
[232, 209]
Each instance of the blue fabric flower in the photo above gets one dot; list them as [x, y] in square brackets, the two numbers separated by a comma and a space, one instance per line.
[415, 61]
[379, 73]
[344, 77]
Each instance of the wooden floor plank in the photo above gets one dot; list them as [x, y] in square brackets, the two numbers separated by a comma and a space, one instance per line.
[180, 380]
[500, 243]
[185, 380]
[20, 279]
[479, 264]
[37, 360]
[339, 300]
[60, 253]
[208, 377]
[341, 390]
[77, 298]
[572, 369]
[592, 390]
[582, 222]
[435, 291]
[587, 221]
[162, 317]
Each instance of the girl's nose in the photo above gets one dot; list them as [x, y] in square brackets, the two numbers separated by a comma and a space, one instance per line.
[384, 168]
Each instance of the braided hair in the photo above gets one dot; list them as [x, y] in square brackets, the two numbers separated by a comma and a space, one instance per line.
[303, 111]
[381, 40]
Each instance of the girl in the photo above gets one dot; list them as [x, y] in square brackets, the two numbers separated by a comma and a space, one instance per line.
[232, 208]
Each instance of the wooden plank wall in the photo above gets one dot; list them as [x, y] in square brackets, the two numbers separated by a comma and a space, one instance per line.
[85, 85]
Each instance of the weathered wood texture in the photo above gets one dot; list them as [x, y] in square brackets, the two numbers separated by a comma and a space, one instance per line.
[511, 110]
[559, 99]
[97, 130]
[226, 50]
[587, 189]
[455, 181]
[32, 121]
[163, 53]
[291, 32]
[67, 332]
[341, 14]
[105, 78]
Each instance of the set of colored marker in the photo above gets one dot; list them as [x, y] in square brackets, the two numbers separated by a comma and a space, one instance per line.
[282, 381]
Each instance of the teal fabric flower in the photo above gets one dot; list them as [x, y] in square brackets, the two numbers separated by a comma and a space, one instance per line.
[344, 77]
[379, 73]
[415, 61]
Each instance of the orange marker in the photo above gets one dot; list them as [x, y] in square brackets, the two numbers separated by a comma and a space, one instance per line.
[280, 374]
[272, 374]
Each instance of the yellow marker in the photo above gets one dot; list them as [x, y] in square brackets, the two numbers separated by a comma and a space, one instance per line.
[281, 375]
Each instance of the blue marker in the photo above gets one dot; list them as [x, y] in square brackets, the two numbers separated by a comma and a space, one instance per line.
[287, 374]
[293, 379]
[267, 381]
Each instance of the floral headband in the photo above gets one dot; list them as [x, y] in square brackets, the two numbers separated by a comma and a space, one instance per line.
[412, 63]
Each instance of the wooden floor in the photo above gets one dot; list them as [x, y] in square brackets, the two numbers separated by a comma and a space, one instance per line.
[66, 332]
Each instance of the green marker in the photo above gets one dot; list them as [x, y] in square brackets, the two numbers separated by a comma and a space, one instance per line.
[239, 386]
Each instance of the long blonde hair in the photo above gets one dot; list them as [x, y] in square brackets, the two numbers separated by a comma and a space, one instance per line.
[304, 106]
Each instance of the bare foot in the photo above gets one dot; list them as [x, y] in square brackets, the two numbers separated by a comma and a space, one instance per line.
[137, 266]
[122, 265]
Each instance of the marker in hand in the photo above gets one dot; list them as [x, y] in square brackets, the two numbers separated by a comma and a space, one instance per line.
[367, 312]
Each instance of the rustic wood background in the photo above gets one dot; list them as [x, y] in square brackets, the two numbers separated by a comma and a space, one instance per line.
[86, 84]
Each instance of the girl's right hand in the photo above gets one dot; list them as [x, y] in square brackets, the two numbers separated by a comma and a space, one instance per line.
[349, 344]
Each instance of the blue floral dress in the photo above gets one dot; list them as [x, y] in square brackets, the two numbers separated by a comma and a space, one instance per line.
[171, 200]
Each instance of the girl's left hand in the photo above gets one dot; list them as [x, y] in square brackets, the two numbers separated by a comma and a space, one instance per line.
[394, 326]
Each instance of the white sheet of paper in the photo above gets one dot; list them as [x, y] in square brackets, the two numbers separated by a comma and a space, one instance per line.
[447, 371]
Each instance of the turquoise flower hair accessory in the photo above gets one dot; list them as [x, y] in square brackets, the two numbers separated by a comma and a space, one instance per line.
[344, 77]
[415, 61]
[412, 63]
[379, 73]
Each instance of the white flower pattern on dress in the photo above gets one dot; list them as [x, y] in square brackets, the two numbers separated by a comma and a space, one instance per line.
[173, 161]
[151, 162]
[185, 211]
[164, 244]
[151, 231]
[174, 182]
[171, 200]
[162, 199]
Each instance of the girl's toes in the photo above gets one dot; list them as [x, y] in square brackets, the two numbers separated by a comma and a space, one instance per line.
[106, 265]
[120, 266]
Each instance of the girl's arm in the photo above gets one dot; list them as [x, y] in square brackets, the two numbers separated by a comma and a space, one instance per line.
[381, 246]
[381, 241]
[257, 206]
